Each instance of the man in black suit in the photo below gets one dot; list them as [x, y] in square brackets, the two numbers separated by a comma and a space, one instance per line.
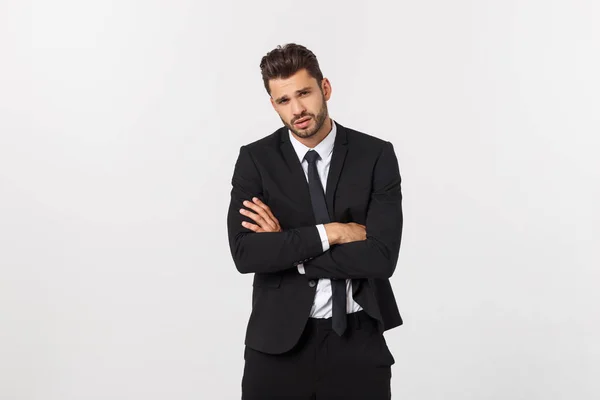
[316, 215]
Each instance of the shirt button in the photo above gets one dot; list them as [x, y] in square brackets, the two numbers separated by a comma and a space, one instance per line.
[312, 283]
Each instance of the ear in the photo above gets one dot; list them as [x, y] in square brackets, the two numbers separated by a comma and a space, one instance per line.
[326, 88]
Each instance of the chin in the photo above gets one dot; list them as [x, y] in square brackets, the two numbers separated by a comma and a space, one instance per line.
[304, 134]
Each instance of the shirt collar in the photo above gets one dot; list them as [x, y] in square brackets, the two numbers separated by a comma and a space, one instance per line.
[324, 148]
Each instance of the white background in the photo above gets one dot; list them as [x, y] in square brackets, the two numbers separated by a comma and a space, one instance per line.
[120, 123]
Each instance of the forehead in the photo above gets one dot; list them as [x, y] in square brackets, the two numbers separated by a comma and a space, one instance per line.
[287, 86]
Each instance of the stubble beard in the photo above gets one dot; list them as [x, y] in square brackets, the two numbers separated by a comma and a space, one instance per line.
[320, 119]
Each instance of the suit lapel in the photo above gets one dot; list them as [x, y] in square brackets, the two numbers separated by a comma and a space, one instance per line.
[300, 185]
[335, 169]
[340, 149]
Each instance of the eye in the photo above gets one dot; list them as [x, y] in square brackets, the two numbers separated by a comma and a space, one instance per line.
[283, 101]
[303, 93]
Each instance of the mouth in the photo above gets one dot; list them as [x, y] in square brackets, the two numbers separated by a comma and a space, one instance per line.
[302, 123]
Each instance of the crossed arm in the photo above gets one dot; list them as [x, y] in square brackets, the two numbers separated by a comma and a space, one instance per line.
[265, 221]
[258, 244]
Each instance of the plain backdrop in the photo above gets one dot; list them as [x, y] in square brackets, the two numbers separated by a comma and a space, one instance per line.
[120, 123]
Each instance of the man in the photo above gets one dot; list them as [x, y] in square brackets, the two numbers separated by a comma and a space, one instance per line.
[316, 215]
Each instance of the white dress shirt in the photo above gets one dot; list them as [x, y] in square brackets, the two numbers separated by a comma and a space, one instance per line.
[321, 307]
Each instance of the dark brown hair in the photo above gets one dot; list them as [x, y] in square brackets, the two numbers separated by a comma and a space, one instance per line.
[284, 61]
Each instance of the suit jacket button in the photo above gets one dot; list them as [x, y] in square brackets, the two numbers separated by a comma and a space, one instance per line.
[312, 283]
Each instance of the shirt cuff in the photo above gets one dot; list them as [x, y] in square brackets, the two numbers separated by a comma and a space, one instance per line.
[324, 238]
[301, 269]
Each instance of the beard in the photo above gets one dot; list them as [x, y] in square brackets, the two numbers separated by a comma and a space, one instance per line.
[319, 119]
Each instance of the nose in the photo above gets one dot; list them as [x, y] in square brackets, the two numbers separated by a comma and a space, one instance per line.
[297, 108]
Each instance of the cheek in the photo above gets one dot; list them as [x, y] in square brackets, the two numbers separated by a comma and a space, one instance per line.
[315, 107]
[286, 116]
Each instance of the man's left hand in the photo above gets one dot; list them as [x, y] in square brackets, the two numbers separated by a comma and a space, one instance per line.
[262, 215]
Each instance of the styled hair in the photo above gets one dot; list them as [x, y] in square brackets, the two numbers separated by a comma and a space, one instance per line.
[284, 61]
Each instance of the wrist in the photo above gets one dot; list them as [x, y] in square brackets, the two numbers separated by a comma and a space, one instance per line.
[333, 233]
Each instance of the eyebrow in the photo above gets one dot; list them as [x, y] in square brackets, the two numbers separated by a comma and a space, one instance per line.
[304, 89]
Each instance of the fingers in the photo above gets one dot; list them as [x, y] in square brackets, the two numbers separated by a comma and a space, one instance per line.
[265, 207]
[264, 210]
[252, 227]
[256, 218]
[262, 215]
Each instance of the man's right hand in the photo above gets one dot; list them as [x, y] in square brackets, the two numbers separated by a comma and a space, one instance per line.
[339, 233]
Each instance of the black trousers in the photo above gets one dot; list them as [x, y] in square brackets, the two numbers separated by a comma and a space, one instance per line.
[323, 365]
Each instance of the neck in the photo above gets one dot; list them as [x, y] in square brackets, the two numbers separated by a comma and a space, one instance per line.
[314, 140]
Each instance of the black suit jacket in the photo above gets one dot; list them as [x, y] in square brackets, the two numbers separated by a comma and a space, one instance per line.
[363, 186]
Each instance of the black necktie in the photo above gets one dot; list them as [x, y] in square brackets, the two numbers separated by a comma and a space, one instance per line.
[317, 197]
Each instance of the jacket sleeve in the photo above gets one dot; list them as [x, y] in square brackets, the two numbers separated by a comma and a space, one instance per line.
[266, 251]
[375, 257]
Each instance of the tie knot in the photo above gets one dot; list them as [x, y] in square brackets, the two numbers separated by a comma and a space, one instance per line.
[311, 156]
